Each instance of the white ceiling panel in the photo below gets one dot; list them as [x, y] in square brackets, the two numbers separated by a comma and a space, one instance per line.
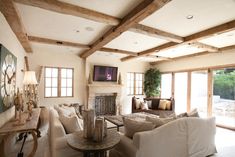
[149, 59]
[108, 54]
[206, 14]
[116, 8]
[39, 47]
[179, 51]
[47, 24]
[135, 42]
[222, 40]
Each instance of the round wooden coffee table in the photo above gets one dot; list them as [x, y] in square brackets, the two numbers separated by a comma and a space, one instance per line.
[91, 148]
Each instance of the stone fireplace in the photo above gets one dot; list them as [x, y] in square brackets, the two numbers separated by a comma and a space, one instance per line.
[104, 98]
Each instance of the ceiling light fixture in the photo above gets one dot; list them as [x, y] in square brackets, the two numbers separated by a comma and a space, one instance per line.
[189, 17]
[230, 35]
[135, 42]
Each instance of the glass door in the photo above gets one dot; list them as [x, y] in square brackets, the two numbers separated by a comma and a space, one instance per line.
[223, 107]
[199, 81]
[181, 80]
[166, 80]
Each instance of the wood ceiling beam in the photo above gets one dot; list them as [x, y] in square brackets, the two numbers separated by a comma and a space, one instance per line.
[69, 9]
[139, 13]
[226, 27]
[10, 13]
[195, 54]
[204, 46]
[118, 51]
[149, 51]
[153, 32]
[57, 42]
[77, 45]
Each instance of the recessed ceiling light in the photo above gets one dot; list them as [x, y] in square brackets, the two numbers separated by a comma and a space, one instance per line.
[189, 17]
[135, 42]
[90, 29]
[77, 31]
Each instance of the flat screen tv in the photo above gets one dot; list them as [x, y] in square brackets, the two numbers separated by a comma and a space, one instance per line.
[105, 73]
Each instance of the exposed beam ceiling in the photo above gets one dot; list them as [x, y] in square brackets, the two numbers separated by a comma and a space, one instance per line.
[10, 13]
[57, 42]
[204, 46]
[78, 45]
[65, 8]
[226, 27]
[149, 51]
[118, 51]
[69, 9]
[144, 9]
[156, 33]
[195, 54]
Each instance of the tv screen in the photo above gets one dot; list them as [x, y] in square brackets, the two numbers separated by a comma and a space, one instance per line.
[105, 73]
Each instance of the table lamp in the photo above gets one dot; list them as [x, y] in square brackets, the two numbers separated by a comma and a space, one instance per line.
[30, 83]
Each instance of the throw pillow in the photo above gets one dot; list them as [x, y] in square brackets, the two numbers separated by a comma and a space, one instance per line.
[159, 121]
[132, 126]
[70, 123]
[162, 104]
[156, 121]
[68, 111]
[144, 105]
[168, 105]
[149, 102]
[137, 103]
[182, 115]
[193, 113]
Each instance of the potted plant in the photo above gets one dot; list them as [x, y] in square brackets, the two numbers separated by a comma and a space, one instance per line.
[152, 82]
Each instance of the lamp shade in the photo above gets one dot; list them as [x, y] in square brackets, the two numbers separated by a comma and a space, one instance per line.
[29, 78]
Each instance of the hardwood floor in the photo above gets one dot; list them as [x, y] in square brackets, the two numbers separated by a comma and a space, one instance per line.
[225, 143]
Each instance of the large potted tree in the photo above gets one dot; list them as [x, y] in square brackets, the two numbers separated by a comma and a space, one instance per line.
[152, 82]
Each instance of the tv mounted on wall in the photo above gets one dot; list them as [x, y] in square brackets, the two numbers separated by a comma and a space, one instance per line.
[105, 73]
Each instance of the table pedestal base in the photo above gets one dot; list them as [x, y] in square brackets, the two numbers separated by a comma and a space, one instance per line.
[95, 154]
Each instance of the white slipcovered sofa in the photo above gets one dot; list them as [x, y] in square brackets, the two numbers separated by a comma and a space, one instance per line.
[185, 137]
[57, 138]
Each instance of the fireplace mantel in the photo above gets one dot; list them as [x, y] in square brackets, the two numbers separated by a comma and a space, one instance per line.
[95, 89]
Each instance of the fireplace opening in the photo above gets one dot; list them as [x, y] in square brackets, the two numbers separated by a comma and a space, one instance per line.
[105, 105]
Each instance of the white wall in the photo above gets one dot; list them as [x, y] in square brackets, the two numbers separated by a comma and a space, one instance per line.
[59, 59]
[213, 59]
[9, 40]
[123, 68]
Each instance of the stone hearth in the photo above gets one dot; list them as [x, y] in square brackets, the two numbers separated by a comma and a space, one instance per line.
[102, 89]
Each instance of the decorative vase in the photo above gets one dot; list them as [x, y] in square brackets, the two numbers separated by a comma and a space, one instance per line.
[99, 130]
[88, 123]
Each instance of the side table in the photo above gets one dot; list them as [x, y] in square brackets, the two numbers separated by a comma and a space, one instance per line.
[29, 127]
[91, 148]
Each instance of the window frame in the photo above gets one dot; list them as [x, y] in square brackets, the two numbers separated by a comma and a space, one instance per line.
[135, 83]
[59, 78]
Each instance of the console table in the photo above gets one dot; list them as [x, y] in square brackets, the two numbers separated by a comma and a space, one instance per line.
[30, 127]
[91, 148]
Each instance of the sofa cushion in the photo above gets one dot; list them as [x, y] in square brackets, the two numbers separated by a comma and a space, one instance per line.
[132, 126]
[70, 123]
[193, 113]
[162, 104]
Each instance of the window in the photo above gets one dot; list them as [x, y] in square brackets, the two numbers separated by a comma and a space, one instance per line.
[135, 83]
[58, 82]
[166, 80]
